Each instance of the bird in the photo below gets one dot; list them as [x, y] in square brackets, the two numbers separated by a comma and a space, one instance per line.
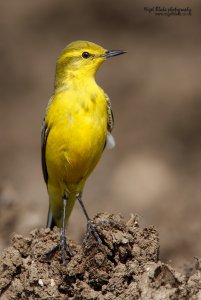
[76, 129]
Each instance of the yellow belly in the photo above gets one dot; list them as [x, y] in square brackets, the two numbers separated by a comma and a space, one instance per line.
[76, 139]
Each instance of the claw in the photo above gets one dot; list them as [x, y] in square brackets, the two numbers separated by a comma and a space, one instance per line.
[92, 229]
[65, 251]
[90, 225]
[49, 254]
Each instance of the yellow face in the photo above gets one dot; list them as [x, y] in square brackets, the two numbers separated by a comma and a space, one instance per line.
[83, 56]
[79, 61]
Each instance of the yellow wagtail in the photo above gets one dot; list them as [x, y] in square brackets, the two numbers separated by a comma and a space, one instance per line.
[76, 128]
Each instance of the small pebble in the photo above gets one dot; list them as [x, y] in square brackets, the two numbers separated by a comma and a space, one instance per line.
[40, 282]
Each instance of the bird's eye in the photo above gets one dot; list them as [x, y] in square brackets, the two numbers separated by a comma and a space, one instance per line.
[85, 54]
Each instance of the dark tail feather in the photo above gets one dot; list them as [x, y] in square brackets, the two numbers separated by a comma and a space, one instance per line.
[50, 221]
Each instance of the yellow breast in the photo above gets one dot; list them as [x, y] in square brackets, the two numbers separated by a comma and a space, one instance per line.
[77, 123]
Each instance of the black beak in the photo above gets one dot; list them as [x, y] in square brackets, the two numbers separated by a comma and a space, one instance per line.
[110, 53]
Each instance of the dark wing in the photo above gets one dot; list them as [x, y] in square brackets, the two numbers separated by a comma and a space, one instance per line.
[44, 135]
[110, 142]
[110, 117]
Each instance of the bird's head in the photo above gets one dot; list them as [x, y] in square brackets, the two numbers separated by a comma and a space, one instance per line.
[80, 60]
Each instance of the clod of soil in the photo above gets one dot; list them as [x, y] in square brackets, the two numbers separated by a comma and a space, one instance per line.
[125, 266]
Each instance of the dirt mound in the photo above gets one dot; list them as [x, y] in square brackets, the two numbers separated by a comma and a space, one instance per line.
[125, 266]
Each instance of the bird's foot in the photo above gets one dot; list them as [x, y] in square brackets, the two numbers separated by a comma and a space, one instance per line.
[50, 253]
[66, 251]
[92, 229]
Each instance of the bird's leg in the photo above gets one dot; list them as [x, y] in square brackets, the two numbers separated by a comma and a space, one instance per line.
[63, 244]
[91, 225]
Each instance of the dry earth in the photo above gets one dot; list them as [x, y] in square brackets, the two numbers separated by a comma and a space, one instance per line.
[125, 266]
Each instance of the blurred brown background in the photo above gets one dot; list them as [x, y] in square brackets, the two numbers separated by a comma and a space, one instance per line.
[155, 89]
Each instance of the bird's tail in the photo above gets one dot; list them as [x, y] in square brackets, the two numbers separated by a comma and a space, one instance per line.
[50, 220]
